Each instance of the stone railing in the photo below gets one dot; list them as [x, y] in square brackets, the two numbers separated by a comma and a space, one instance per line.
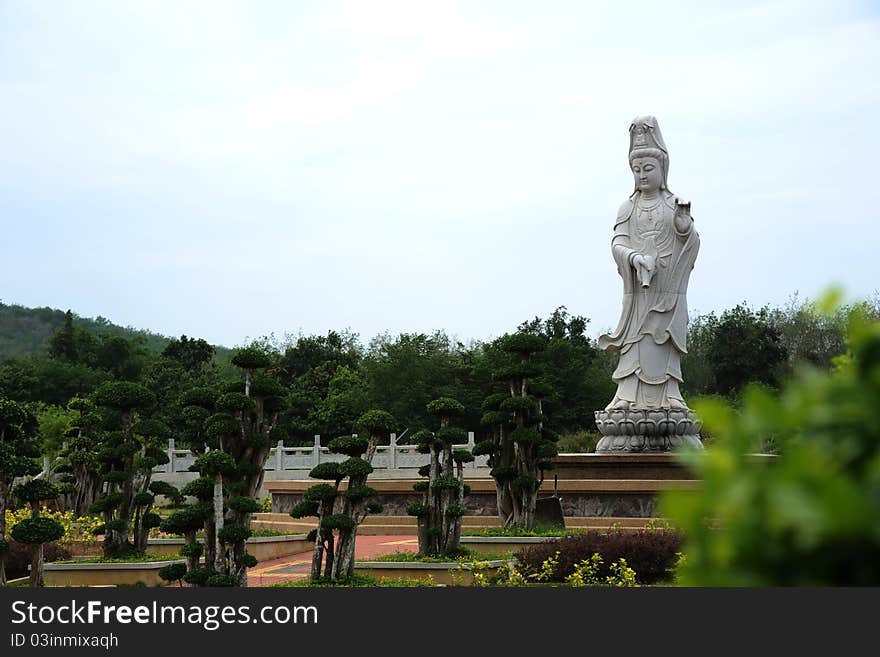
[387, 457]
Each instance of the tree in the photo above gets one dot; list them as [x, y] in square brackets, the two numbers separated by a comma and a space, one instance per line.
[576, 372]
[307, 369]
[357, 501]
[327, 353]
[810, 335]
[343, 512]
[407, 372]
[72, 344]
[240, 434]
[196, 407]
[697, 368]
[250, 359]
[36, 531]
[187, 522]
[809, 517]
[347, 398]
[214, 465]
[122, 358]
[439, 514]
[54, 424]
[18, 449]
[79, 464]
[745, 348]
[40, 379]
[191, 353]
[127, 457]
[520, 446]
[181, 367]
[319, 501]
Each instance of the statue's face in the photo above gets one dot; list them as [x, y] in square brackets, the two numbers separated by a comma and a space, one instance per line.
[647, 173]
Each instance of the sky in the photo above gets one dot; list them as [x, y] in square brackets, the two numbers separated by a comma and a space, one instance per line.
[227, 170]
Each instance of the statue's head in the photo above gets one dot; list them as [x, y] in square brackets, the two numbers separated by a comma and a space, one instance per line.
[648, 157]
[647, 173]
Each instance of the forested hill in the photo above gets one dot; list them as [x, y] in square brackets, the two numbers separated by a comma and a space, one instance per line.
[26, 331]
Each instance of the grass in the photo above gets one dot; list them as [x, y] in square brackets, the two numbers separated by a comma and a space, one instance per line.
[269, 532]
[144, 558]
[355, 581]
[465, 556]
[537, 530]
[254, 534]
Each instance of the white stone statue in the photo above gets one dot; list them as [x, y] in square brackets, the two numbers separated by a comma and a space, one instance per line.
[655, 246]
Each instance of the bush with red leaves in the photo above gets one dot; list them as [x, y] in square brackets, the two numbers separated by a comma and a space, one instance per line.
[18, 558]
[652, 553]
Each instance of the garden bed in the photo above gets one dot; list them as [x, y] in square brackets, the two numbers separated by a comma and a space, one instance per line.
[492, 545]
[106, 573]
[264, 548]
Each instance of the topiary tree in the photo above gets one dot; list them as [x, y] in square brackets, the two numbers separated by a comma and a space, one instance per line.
[127, 458]
[318, 501]
[239, 429]
[250, 359]
[187, 522]
[168, 491]
[36, 531]
[152, 433]
[521, 447]
[18, 449]
[173, 572]
[215, 464]
[342, 512]
[357, 501]
[78, 463]
[439, 514]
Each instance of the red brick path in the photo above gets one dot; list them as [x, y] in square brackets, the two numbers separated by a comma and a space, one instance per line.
[297, 566]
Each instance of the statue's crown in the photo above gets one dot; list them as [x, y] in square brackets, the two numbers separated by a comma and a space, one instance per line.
[645, 135]
[644, 132]
[641, 137]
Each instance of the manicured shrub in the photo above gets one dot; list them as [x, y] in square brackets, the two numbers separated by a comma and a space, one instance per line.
[652, 553]
[218, 579]
[244, 505]
[173, 572]
[233, 532]
[34, 531]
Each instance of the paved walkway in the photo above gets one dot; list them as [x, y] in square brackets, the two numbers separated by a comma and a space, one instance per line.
[297, 566]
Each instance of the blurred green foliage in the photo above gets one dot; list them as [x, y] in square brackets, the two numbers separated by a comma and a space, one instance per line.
[810, 516]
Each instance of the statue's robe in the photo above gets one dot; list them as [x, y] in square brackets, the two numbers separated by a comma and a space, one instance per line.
[652, 333]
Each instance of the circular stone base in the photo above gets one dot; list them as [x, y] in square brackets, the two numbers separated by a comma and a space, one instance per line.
[611, 444]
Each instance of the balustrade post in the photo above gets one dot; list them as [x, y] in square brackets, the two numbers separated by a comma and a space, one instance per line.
[470, 446]
[392, 452]
[279, 456]
[316, 451]
[169, 467]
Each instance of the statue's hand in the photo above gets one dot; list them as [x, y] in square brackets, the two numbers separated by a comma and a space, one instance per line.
[682, 216]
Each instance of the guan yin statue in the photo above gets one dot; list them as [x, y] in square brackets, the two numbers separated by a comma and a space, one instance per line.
[655, 246]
